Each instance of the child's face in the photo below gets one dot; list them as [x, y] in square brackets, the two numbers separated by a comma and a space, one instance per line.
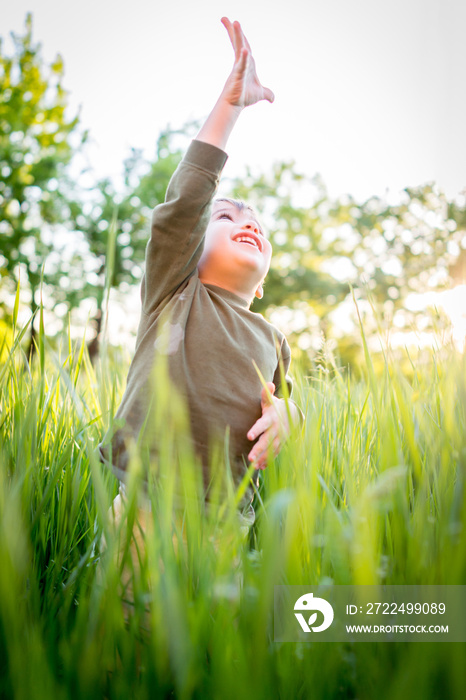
[237, 252]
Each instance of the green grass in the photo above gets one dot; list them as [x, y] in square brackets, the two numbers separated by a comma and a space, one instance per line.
[372, 490]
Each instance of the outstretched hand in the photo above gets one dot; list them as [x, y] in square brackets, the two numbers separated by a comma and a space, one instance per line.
[273, 426]
[243, 88]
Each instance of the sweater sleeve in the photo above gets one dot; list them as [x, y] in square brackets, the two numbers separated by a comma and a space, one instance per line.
[179, 224]
[285, 358]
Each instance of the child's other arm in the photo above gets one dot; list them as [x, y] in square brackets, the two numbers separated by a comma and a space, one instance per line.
[273, 426]
[241, 90]
[279, 417]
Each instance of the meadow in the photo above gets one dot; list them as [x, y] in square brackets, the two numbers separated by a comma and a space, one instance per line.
[370, 491]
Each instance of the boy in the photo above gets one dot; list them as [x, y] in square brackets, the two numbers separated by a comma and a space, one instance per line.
[204, 264]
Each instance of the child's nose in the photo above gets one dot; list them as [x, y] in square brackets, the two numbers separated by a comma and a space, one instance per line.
[251, 226]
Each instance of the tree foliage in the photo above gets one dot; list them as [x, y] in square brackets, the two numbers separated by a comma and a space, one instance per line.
[125, 215]
[388, 249]
[50, 226]
[296, 233]
[35, 148]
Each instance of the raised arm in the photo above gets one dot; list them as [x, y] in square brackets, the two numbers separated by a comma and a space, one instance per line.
[179, 224]
[242, 89]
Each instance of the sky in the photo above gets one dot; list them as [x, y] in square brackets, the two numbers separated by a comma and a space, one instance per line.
[369, 94]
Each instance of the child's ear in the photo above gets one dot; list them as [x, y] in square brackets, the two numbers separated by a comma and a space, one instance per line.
[259, 292]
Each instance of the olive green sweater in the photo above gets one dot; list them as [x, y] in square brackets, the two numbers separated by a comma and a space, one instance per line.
[208, 336]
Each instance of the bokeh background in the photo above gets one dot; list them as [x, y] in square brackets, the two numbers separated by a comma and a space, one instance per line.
[358, 167]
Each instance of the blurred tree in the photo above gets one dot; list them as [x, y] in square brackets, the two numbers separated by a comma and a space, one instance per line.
[297, 235]
[128, 210]
[407, 248]
[300, 292]
[321, 247]
[457, 214]
[36, 145]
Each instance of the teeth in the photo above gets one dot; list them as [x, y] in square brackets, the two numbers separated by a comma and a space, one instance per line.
[246, 239]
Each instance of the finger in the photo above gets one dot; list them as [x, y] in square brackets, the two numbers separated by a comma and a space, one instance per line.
[229, 27]
[241, 63]
[261, 425]
[260, 457]
[238, 38]
[268, 441]
[239, 34]
[231, 33]
[268, 95]
[259, 451]
[267, 394]
[246, 42]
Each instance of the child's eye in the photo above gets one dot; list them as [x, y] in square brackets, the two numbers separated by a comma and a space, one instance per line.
[224, 215]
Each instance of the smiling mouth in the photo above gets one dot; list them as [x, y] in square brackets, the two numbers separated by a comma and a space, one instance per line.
[248, 239]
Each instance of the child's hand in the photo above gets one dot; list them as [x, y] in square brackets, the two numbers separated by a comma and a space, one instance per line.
[243, 87]
[273, 427]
